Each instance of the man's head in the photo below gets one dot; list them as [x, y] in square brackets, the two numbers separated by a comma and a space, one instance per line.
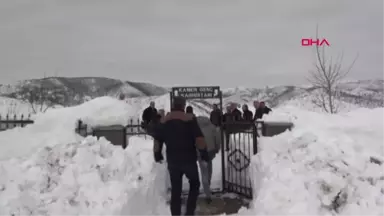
[233, 106]
[256, 104]
[262, 104]
[228, 109]
[215, 107]
[189, 109]
[178, 104]
[245, 107]
[152, 104]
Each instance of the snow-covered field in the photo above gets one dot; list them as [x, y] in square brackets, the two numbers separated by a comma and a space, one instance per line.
[327, 164]
[47, 169]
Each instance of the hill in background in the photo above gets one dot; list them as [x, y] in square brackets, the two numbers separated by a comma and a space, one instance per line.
[73, 91]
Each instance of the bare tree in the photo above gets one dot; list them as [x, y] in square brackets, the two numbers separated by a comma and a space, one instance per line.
[326, 76]
[41, 98]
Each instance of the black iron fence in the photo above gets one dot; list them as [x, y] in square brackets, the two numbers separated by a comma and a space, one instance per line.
[240, 143]
[9, 122]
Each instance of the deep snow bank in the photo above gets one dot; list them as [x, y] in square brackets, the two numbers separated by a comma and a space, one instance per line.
[327, 164]
[91, 177]
[57, 126]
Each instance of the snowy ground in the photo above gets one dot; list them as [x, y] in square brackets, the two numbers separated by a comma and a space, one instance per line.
[47, 169]
[324, 157]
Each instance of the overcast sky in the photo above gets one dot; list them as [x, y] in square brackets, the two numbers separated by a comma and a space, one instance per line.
[229, 43]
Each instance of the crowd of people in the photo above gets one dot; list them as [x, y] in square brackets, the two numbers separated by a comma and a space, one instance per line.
[190, 139]
[232, 113]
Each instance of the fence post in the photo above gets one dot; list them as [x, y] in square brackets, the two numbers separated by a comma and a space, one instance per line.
[7, 121]
[22, 122]
[14, 120]
[125, 141]
[263, 129]
[255, 141]
[79, 124]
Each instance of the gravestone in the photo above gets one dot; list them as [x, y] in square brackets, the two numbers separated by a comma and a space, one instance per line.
[275, 128]
[116, 134]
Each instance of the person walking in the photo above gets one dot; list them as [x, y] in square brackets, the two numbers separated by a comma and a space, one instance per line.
[183, 139]
[149, 114]
[216, 116]
[212, 137]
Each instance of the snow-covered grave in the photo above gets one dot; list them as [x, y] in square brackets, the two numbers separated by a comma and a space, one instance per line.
[328, 164]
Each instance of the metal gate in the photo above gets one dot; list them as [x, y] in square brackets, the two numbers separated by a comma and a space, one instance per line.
[240, 144]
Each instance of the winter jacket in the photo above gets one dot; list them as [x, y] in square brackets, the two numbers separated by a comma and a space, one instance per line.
[179, 132]
[247, 115]
[261, 111]
[236, 114]
[211, 134]
[216, 117]
[149, 114]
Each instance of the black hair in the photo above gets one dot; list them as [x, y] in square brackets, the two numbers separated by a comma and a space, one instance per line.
[189, 109]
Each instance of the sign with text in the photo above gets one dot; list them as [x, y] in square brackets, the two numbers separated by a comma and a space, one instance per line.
[198, 92]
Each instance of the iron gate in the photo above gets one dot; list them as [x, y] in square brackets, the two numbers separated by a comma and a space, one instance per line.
[240, 144]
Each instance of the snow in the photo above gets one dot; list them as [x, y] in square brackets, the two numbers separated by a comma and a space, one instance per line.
[302, 171]
[89, 177]
[47, 169]
[126, 89]
[57, 126]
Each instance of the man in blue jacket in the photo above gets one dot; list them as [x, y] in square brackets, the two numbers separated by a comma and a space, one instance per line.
[183, 137]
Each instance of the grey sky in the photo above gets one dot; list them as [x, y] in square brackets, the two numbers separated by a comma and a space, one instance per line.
[229, 43]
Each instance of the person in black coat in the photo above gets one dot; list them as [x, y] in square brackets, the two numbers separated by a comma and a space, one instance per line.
[155, 122]
[261, 110]
[216, 116]
[189, 110]
[227, 116]
[183, 137]
[247, 114]
[236, 114]
[149, 114]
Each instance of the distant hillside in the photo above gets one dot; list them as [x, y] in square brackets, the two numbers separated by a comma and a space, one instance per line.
[72, 91]
[364, 93]
[79, 89]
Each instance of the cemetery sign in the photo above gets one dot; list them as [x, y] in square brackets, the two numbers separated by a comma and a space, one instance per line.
[198, 92]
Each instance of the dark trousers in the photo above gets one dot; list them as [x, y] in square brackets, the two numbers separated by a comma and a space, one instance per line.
[227, 139]
[176, 173]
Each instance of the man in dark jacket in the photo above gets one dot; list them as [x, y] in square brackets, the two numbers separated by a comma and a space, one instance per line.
[149, 114]
[247, 114]
[236, 114]
[216, 116]
[227, 115]
[155, 122]
[261, 110]
[183, 137]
